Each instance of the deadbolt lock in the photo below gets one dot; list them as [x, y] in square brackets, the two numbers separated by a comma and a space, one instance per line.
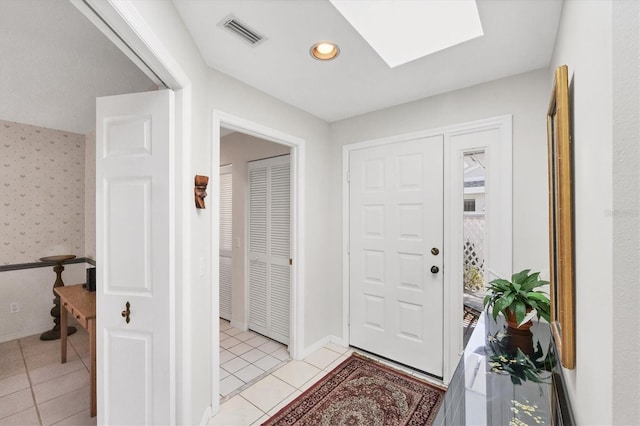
[127, 312]
[435, 251]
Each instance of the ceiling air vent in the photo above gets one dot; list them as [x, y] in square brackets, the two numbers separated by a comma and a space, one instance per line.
[242, 30]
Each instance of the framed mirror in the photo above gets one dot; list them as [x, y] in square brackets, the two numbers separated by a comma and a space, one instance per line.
[561, 219]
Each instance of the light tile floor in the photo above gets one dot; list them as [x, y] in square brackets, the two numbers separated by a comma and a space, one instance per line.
[260, 399]
[256, 376]
[35, 389]
[245, 357]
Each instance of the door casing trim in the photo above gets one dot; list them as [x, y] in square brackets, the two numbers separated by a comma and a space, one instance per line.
[297, 154]
[121, 23]
[452, 295]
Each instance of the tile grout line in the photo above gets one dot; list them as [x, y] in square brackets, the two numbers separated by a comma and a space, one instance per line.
[248, 384]
[33, 395]
[322, 372]
[70, 342]
[252, 382]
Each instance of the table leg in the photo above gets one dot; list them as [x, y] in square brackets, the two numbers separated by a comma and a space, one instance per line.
[92, 360]
[63, 334]
[54, 333]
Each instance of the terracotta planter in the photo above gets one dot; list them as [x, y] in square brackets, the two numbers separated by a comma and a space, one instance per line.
[512, 322]
[520, 339]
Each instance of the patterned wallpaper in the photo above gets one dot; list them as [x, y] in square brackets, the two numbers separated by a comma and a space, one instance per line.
[90, 196]
[42, 193]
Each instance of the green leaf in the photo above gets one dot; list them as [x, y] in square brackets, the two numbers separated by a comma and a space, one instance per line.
[509, 298]
[536, 295]
[494, 313]
[520, 276]
[544, 312]
[500, 284]
[531, 282]
[500, 304]
[486, 300]
[521, 311]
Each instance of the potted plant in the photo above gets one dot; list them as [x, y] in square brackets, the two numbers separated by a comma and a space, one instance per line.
[535, 367]
[517, 299]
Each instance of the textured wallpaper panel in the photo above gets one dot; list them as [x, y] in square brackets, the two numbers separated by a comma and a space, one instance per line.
[41, 192]
[90, 195]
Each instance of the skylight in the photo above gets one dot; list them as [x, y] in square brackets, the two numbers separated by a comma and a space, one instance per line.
[401, 31]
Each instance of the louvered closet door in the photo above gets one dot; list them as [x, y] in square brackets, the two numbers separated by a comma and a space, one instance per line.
[226, 241]
[269, 247]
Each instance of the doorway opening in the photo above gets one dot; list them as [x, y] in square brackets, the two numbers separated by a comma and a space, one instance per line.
[493, 138]
[228, 127]
[254, 259]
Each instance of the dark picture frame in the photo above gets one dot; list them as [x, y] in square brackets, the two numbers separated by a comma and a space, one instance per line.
[561, 219]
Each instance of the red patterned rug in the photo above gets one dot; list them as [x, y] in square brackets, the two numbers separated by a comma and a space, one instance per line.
[361, 391]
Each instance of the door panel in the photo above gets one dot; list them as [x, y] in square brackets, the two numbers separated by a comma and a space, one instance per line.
[396, 217]
[226, 241]
[270, 247]
[134, 246]
[258, 185]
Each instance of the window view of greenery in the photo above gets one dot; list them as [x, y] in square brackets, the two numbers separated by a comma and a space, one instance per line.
[474, 238]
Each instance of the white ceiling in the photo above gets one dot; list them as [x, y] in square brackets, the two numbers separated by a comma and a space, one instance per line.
[54, 63]
[518, 37]
[403, 31]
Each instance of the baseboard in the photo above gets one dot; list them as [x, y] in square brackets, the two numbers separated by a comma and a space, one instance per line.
[239, 325]
[338, 341]
[206, 416]
[320, 343]
[22, 333]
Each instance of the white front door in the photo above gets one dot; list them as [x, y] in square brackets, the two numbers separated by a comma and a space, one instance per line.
[270, 247]
[396, 237]
[135, 258]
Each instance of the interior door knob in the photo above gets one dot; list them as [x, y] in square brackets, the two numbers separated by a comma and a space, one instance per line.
[435, 269]
[127, 312]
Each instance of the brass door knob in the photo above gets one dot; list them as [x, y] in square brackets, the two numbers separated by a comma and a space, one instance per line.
[127, 312]
[435, 269]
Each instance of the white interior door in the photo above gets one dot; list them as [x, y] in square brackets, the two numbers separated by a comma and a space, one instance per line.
[226, 241]
[396, 219]
[134, 245]
[270, 247]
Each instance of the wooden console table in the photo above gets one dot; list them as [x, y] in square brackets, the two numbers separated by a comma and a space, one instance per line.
[82, 305]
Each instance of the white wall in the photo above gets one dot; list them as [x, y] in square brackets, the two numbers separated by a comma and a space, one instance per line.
[526, 96]
[193, 226]
[626, 204]
[32, 289]
[322, 262]
[584, 44]
[214, 90]
[237, 149]
[599, 42]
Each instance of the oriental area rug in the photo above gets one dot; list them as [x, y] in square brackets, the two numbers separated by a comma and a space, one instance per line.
[361, 391]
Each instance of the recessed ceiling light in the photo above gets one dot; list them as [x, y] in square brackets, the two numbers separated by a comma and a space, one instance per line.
[324, 51]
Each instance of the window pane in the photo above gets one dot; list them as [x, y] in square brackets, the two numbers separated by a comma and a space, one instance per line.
[473, 238]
